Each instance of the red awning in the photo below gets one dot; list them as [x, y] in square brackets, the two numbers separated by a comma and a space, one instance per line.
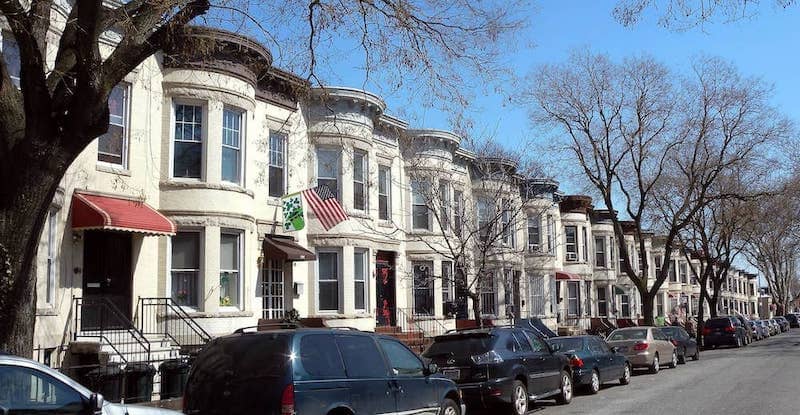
[112, 213]
[561, 275]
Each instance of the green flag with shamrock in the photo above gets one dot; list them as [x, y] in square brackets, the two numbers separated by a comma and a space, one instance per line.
[293, 212]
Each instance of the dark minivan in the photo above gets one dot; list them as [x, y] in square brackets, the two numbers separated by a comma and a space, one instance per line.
[722, 331]
[315, 371]
[502, 366]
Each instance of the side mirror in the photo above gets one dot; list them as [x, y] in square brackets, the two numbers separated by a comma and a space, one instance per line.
[96, 402]
[431, 368]
[615, 350]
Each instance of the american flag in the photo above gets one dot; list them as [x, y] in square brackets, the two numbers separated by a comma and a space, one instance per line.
[324, 204]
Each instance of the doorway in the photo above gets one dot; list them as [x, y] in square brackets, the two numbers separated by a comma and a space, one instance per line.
[386, 299]
[107, 280]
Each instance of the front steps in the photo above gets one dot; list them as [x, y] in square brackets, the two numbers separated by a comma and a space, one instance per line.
[415, 340]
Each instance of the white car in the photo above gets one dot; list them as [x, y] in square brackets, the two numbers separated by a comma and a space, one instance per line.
[28, 387]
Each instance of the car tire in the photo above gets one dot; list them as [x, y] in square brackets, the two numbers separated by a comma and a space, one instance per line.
[594, 384]
[738, 342]
[674, 362]
[449, 407]
[565, 393]
[682, 357]
[654, 368]
[519, 398]
[626, 375]
[696, 356]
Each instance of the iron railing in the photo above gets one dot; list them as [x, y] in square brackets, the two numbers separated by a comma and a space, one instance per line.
[426, 323]
[100, 318]
[162, 316]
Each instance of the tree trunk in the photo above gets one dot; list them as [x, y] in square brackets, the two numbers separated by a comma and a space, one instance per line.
[647, 308]
[701, 314]
[476, 308]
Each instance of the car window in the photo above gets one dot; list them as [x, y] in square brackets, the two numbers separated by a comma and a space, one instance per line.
[462, 344]
[320, 357]
[594, 347]
[402, 361]
[25, 390]
[566, 344]
[362, 359]
[510, 342]
[603, 345]
[537, 343]
[718, 323]
[658, 334]
[523, 341]
[628, 334]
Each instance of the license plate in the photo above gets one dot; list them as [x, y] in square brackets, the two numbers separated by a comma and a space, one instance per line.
[453, 374]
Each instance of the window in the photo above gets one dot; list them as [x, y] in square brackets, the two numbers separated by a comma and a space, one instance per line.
[186, 268]
[444, 204]
[360, 279]
[11, 56]
[588, 286]
[458, 211]
[423, 288]
[112, 147]
[571, 235]
[419, 209]
[599, 252]
[272, 290]
[673, 276]
[534, 235]
[229, 269]
[488, 296]
[585, 245]
[52, 243]
[362, 359]
[384, 192]
[448, 287]
[188, 146]
[625, 305]
[28, 391]
[522, 341]
[536, 342]
[658, 262]
[660, 305]
[328, 162]
[602, 302]
[360, 172]
[232, 145]
[402, 361]
[508, 226]
[611, 248]
[573, 298]
[684, 273]
[328, 289]
[537, 293]
[277, 163]
[485, 213]
[551, 236]
[320, 356]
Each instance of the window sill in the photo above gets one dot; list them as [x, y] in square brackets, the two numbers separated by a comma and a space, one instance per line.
[385, 224]
[273, 201]
[47, 311]
[197, 184]
[113, 169]
[219, 314]
[358, 214]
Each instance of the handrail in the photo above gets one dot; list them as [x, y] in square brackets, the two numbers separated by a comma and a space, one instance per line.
[109, 330]
[162, 316]
[429, 327]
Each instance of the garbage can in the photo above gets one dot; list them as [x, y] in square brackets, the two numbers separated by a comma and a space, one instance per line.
[106, 381]
[174, 373]
[139, 382]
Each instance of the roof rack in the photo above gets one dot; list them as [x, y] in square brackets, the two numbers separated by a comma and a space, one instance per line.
[269, 326]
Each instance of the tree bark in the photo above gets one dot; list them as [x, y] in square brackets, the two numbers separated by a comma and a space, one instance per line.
[647, 308]
[701, 314]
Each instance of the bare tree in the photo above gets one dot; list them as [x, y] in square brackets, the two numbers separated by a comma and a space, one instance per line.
[653, 141]
[62, 105]
[685, 14]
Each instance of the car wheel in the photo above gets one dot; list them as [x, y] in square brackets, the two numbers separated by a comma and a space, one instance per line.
[654, 368]
[696, 355]
[565, 396]
[626, 375]
[519, 398]
[594, 384]
[738, 342]
[674, 362]
[682, 357]
[449, 407]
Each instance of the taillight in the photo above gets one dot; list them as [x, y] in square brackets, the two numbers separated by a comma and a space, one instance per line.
[287, 400]
[706, 331]
[674, 343]
[575, 361]
[488, 358]
[640, 346]
[730, 329]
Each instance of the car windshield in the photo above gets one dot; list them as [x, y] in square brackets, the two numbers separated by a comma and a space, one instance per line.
[671, 331]
[460, 345]
[718, 323]
[632, 334]
[566, 344]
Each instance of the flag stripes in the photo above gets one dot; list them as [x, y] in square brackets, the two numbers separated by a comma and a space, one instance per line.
[324, 204]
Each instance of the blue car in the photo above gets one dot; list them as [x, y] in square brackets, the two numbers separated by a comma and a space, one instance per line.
[593, 361]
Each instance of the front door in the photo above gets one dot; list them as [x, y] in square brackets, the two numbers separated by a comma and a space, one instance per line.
[107, 280]
[385, 290]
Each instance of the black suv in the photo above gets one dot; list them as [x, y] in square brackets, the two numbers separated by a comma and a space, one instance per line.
[793, 319]
[721, 331]
[315, 371]
[502, 365]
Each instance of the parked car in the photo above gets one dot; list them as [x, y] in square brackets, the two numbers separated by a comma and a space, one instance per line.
[775, 326]
[593, 361]
[315, 371]
[767, 330]
[28, 387]
[748, 331]
[793, 319]
[772, 326]
[645, 347]
[685, 344]
[783, 322]
[502, 366]
[723, 331]
[759, 331]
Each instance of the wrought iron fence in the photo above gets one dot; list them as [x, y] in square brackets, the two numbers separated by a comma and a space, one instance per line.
[162, 316]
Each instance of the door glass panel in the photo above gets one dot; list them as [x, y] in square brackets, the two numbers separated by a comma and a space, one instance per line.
[362, 359]
[24, 390]
[402, 361]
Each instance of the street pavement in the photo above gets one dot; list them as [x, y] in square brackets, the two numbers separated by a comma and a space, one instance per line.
[762, 378]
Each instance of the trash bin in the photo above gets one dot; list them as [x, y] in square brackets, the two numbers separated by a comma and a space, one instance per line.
[139, 382]
[106, 381]
[174, 373]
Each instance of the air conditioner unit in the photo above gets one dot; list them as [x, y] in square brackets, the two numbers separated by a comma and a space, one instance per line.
[572, 256]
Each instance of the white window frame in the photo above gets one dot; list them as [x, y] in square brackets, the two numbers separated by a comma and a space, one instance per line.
[508, 230]
[418, 184]
[242, 139]
[339, 288]
[576, 299]
[201, 255]
[282, 154]
[338, 190]
[428, 290]
[444, 204]
[52, 256]
[568, 244]
[458, 211]
[239, 305]
[363, 181]
[448, 284]
[272, 311]
[551, 236]
[535, 244]
[364, 279]
[203, 138]
[387, 184]
[489, 281]
[126, 121]
[600, 251]
[538, 295]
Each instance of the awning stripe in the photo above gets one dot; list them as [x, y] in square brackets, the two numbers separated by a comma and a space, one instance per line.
[90, 211]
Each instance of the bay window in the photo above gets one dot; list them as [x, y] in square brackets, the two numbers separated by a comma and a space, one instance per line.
[534, 234]
[384, 192]
[360, 279]
[360, 173]
[232, 145]
[188, 141]
[423, 288]
[444, 204]
[599, 252]
[571, 245]
[419, 208]
[229, 269]
[185, 268]
[458, 211]
[328, 281]
[328, 163]
[277, 163]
